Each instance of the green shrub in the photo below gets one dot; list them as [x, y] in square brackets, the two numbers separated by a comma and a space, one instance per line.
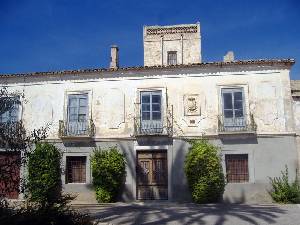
[108, 171]
[284, 192]
[103, 195]
[33, 215]
[44, 174]
[204, 172]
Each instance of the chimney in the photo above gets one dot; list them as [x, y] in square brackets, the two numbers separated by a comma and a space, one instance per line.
[229, 57]
[114, 57]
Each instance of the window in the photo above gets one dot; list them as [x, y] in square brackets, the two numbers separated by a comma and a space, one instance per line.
[12, 114]
[151, 118]
[151, 105]
[76, 169]
[233, 107]
[237, 168]
[172, 58]
[77, 123]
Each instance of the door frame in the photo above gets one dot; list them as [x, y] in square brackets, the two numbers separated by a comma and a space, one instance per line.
[152, 148]
[151, 160]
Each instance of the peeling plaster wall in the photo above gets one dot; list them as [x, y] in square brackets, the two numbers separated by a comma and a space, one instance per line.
[296, 110]
[112, 100]
[112, 107]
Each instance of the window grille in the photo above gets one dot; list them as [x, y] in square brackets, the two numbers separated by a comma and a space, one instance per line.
[237, 168]
[172, 58]
[76, 169]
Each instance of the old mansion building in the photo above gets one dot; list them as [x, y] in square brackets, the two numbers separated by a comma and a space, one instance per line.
[149, 112]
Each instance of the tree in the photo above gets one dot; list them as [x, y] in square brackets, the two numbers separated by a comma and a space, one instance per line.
[44, 175]
[14, 141]
[109, 171]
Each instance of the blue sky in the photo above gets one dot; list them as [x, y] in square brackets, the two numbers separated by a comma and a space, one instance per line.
[46, 35]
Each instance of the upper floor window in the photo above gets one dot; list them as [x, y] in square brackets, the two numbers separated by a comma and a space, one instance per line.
[151, 105]
[151, 112]
[12, 109]
[172, 58]
[233, 107]
[77, 114]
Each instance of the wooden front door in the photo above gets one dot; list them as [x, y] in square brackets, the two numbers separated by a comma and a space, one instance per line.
[9, 174]
[152, 175]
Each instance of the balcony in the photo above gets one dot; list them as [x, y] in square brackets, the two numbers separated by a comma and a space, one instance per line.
[244, 124]
[85, 129]
[162, 127]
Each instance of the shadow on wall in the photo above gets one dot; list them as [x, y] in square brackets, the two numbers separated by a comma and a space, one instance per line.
[126, 192]
[188, 214]
[179, 181]
[72, 143]
[239, 139]
[129, 152]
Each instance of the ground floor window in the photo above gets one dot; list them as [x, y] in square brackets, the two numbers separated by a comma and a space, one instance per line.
[76, 169]
[237, 168]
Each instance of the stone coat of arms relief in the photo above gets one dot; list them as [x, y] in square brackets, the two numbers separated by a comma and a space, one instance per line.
[191, 105]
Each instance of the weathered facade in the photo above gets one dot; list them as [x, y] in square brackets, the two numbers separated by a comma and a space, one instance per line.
[171, 45]
[245, 107]
[295, 88]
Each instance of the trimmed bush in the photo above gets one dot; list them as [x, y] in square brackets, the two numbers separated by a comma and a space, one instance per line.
[284, 192]
[204, 172]
[44, 175]
[108, 171]
[102, 195]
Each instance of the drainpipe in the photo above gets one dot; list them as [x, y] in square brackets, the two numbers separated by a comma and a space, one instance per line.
[162, 50]
[181, 48]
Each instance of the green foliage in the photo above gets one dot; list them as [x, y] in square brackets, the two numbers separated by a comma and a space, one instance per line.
[283, 191]
[46, 206]
[44, 174]
[103, 195]
[108, 171]
[43, 216]
[204, 173]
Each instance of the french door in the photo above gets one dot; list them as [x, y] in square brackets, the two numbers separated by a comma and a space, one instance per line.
[151, 112]
[77, 123]
[233, 108]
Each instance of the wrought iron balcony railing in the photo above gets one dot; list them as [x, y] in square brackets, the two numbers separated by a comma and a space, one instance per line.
[162, 127]
[76, 129]
[237, 124]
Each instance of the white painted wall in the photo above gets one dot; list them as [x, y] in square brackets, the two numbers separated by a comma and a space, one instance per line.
[112, 99]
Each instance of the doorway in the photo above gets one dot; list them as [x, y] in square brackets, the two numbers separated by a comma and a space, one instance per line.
[152, 175]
